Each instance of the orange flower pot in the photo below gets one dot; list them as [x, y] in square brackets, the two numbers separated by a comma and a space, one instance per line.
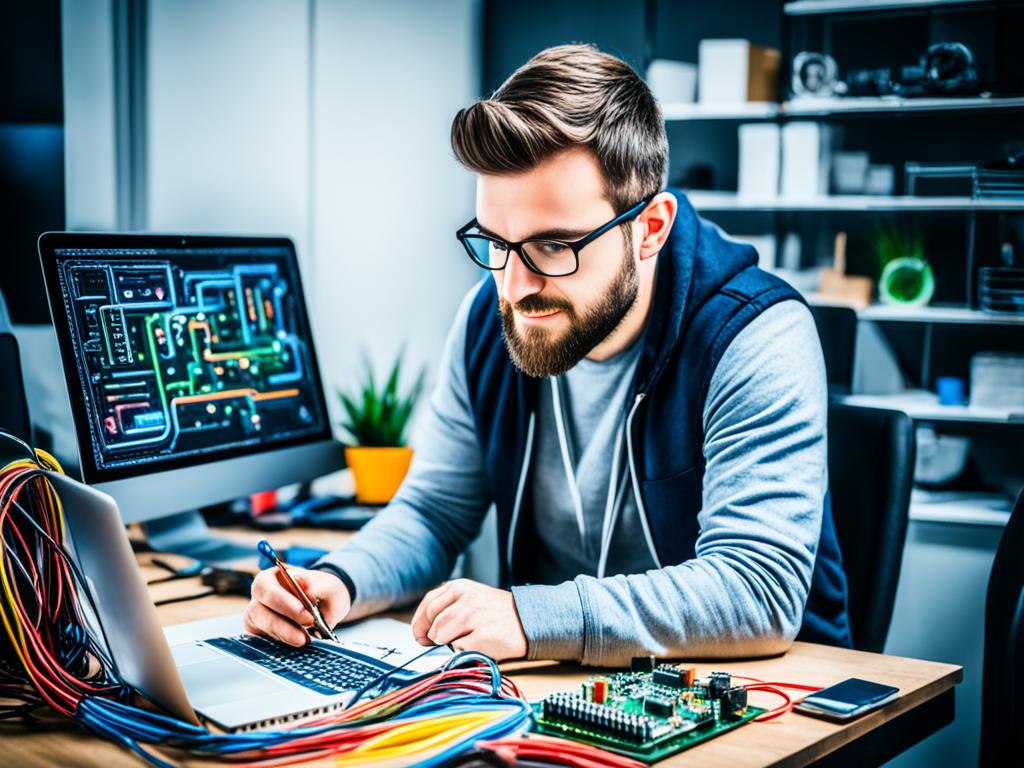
[378, 472]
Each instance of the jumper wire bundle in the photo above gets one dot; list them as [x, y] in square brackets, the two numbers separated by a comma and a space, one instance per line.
[49, 656]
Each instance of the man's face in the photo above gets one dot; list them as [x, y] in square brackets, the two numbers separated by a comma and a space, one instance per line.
[551, 323]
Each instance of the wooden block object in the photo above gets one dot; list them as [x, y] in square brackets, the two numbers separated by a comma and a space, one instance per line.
[837, 286]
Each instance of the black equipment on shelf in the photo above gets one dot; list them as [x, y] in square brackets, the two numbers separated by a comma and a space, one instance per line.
[945, 69]
[1001, 290]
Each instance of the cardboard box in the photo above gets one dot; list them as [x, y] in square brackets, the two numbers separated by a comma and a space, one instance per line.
[735, 71]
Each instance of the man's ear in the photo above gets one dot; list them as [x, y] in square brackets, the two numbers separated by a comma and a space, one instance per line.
[656, 222]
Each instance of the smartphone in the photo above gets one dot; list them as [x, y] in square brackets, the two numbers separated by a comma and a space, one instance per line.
[846, 700]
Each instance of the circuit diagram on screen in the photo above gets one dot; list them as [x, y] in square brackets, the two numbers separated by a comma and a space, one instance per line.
[179, 360]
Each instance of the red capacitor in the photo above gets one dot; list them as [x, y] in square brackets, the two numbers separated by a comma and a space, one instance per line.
[690, 674]
[600, 691]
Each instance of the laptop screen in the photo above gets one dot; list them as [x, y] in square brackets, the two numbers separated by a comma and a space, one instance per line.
[179, 351]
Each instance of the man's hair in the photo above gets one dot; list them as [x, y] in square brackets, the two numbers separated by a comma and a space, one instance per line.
[566, 97]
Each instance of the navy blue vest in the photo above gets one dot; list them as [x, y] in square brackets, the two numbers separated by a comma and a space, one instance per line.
[707, 289]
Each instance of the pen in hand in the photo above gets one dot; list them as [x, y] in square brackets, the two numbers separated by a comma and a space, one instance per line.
[318, 620]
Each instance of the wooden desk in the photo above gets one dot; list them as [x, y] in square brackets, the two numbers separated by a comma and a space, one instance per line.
[925, 704]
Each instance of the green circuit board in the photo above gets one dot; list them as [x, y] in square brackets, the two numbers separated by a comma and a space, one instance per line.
[646, 715]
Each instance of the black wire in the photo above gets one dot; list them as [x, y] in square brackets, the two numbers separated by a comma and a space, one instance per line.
[172, 577]
[184, 598]
[15, 439]
[384, 676]
[26, 710]
[99, 649]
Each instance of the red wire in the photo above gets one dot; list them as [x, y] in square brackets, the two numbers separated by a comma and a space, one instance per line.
[767, 687]
[558, 750]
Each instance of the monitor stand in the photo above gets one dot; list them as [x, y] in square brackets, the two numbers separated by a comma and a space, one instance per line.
[186, 533]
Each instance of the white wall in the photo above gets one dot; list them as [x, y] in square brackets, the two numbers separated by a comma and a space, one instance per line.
[90, 162]
[227, 117]
[388, 195]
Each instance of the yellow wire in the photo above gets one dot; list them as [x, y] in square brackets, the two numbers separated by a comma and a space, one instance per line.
[20, 646]
[417, 737]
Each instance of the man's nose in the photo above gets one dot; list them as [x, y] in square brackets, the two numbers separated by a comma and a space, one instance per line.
[518, 281]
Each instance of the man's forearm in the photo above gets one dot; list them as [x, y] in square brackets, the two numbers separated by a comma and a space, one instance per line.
[711, 606]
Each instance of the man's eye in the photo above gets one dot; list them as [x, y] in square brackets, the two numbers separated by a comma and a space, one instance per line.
[553, 249]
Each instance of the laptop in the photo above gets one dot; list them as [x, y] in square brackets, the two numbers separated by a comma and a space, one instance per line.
[235, 682]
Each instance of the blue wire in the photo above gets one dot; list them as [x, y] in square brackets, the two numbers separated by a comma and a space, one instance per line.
[129, 725]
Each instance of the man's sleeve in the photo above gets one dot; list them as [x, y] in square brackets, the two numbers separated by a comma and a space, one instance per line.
[412, 544]
[764, 484]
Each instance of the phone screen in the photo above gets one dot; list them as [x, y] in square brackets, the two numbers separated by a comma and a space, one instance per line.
[849, 695]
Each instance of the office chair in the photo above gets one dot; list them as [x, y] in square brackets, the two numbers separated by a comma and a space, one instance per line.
[871, 473]
[837, 329]
[13, 404]
[1002, 713]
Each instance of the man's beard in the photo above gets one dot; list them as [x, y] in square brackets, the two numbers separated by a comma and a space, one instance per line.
[535, 353]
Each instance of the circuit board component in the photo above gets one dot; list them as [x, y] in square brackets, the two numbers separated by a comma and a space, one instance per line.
[649, 713]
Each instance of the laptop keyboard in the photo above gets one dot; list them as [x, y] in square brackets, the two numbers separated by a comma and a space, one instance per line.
[319, 670]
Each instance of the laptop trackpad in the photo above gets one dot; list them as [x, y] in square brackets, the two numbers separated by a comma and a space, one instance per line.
[222, 680]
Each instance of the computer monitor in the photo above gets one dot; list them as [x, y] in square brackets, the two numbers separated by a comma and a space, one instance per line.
[191, 372]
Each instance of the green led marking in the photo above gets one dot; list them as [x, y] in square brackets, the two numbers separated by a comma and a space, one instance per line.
[156, 365]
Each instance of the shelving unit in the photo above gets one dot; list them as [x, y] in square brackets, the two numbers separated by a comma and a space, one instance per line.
[836, 105]
[922, 405]
[730, 201]
[937, 314]
[812, 7]
[750, 110]
[960, 507]
[889, 104]
[945, 314]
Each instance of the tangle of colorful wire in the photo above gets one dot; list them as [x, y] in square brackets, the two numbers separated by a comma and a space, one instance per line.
[49, 656]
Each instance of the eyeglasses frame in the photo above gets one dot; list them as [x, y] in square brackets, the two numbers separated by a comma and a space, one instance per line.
[575, 246]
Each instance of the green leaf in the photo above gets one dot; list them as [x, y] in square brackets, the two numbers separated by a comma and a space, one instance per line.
[375, 417]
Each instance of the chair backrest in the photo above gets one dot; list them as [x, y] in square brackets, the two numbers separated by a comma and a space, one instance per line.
[14, 416]
[837, 329]
[871, 473]
[1002, 711]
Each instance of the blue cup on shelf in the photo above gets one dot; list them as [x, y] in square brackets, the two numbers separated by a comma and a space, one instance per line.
[950, 389]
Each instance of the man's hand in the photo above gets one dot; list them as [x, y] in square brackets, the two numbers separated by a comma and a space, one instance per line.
[472, 617]
[275, 612]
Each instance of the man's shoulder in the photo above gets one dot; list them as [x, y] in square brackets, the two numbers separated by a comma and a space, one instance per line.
[774, 358]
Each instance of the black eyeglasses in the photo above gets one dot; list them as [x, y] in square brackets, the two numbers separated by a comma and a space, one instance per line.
[551, 258]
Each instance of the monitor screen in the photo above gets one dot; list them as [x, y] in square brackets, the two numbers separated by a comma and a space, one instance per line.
[182, 351]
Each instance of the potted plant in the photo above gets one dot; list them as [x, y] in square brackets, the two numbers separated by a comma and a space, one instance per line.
[376, 421]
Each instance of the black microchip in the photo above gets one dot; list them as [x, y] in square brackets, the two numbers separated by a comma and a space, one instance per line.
[734, 700]
[658, 707]
[673, 677]
[642, 664]
[718, 684]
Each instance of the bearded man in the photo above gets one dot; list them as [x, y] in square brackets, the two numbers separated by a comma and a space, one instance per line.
[644, 407]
